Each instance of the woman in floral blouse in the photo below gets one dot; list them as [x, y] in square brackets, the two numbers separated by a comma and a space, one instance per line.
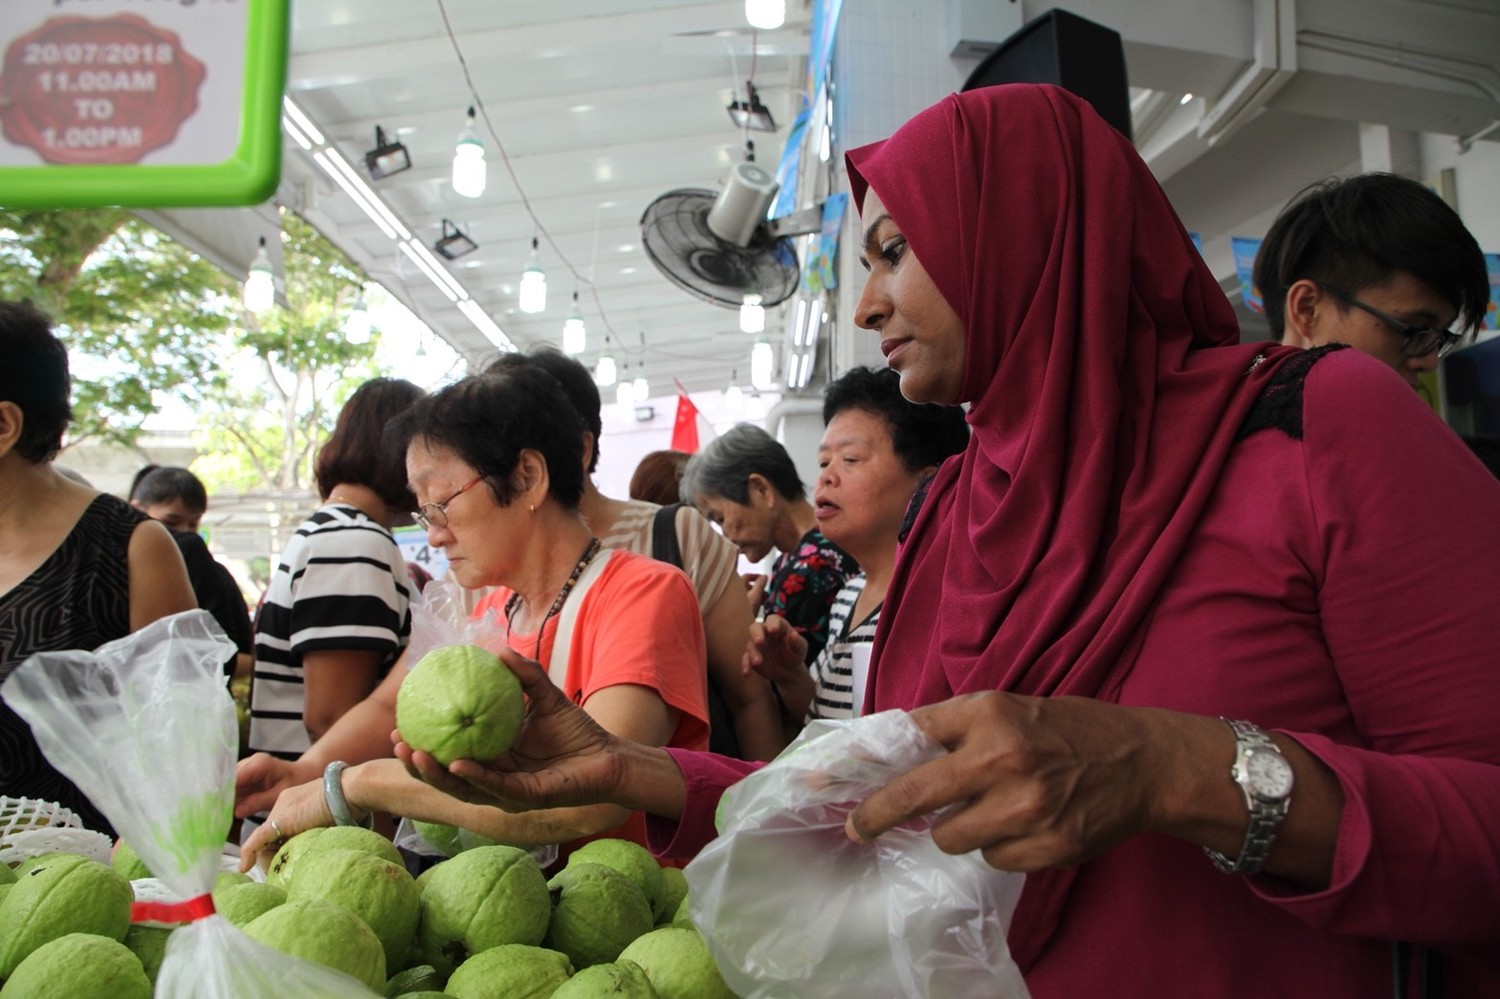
[745, 482]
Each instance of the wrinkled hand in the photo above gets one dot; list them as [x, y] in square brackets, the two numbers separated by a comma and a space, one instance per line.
[1036, 782]
[259, 780]
[297, 809]
[560, 757]
[777, 652]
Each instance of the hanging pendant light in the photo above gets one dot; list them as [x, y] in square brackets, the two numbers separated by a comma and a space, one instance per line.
[575, 334]
[625, 389]
[765, 14]
[604, 372]
[534, 283]
[260, 283]
[762, 364]
[641, 388]
[357, 323]
[468, 161]
[734, 396]
[752, 314]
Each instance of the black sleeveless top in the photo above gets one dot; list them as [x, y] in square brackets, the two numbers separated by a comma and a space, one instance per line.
[79, 598]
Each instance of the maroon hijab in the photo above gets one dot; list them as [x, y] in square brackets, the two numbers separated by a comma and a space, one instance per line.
[1100, 419]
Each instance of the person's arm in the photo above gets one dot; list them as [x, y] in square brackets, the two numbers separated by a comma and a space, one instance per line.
[362, 733]
[757, 720]
[1052, 782]
[333, 682]
[158, 578]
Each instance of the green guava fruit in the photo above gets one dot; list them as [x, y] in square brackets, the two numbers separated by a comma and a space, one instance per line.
[425, 877]
[226, 878]
[240, 903]
[327, 934]
[129, 863]
[421, 978]
[632, 860]
[510, 971]
[149, 945]
[320, 838]
[678, 963]
[480, 899]
[7, 876]
[596, 911]
[460, 702]
[438, 835]
[381, 893]
[66, 893]
[76, 965]
[682, 918]
[618, 980]
[4, 888]
[674, 890]
[424, 994]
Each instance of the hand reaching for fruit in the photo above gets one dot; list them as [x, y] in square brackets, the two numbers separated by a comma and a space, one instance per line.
[562, 757]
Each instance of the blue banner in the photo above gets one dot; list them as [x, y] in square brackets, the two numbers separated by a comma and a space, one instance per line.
[1245, 250]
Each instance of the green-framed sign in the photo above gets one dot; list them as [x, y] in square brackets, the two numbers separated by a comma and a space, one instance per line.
[141, 103]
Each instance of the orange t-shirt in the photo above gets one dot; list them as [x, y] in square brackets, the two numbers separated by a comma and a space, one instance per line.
[638, 623]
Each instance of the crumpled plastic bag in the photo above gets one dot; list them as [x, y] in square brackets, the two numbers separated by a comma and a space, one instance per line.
[790, 906]
[439, 619]
[146, 728]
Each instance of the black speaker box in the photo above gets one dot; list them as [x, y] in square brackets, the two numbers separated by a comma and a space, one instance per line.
[1072, 52]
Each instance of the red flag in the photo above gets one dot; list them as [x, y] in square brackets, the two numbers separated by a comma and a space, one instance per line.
[685, 428]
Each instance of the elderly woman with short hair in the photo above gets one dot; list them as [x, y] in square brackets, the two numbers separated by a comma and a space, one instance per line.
[745, 482]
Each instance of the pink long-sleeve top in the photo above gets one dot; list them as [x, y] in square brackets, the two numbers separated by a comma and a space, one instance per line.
[1339, 589]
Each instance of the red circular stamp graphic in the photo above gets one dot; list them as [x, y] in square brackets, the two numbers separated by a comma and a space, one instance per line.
[82, 90]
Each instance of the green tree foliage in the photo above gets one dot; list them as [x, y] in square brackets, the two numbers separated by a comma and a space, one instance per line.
[267, 432]
[145, 320]
[142, 316]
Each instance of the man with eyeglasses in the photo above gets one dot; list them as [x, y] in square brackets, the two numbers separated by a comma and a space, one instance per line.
[1377, 262]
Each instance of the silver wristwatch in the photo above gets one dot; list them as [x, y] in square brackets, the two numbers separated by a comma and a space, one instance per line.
[1265, 777]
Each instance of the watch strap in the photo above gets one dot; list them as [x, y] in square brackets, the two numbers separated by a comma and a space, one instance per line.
[1265, 815]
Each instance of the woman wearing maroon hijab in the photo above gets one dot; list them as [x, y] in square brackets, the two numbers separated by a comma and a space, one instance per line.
[1153, 530]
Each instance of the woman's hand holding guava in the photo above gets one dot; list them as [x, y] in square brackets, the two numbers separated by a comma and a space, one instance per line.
[297, 809]
[561, 756]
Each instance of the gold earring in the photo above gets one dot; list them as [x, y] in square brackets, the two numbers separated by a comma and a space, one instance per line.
[531, 507]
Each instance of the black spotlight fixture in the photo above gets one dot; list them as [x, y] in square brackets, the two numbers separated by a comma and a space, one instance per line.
[752, 114]
[387, 157]
[454, 242]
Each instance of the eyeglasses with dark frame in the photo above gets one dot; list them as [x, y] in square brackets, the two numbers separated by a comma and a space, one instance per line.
[1420, 340]
[434, 516]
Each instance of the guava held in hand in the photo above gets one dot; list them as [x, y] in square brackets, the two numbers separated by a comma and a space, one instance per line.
[460, 702]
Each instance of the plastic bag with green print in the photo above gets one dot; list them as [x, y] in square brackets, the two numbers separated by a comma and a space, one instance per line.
[146, 728]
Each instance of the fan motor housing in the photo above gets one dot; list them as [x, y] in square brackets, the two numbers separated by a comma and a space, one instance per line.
[743, 204]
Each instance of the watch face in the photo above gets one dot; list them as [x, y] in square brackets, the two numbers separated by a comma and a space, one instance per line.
[1270, 774]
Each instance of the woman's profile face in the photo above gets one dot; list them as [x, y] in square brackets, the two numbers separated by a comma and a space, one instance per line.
[921, 336]
[747, 525]
[477, 534]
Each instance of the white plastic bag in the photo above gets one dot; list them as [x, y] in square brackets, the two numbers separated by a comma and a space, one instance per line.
[790, 906]
[146, 728]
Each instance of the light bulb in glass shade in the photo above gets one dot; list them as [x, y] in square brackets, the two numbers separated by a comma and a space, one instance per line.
[575, 334]
[762, 364]
[604, 373]
[357, 323]
[641, 388]
[533, 284]
[734, 398]
[765, 14]
[752, 315]
[625, 393]
[468, 162]
[260, 283]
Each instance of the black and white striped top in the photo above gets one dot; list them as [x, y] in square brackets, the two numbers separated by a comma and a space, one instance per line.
[832, 671]
[341, 584]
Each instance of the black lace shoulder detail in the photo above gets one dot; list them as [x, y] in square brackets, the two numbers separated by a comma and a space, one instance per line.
[1280, 404]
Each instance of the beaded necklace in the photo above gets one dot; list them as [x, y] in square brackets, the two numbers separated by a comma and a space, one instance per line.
[511, 605]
